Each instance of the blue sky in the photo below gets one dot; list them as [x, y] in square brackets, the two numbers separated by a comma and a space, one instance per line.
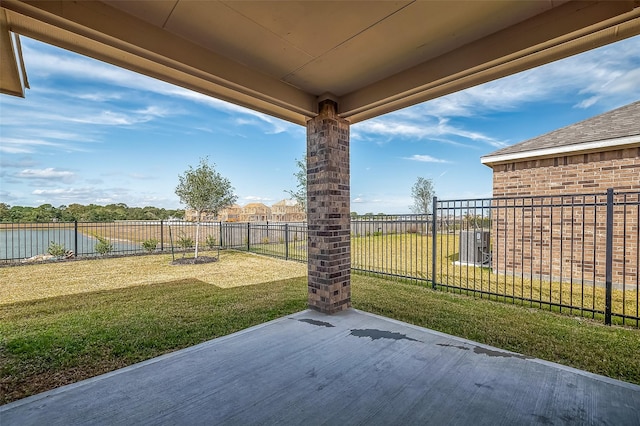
[89, 132]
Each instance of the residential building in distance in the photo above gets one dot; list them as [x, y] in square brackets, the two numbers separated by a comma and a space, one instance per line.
[282, 211]
[255, 212]
[230, 214]
[287, 211]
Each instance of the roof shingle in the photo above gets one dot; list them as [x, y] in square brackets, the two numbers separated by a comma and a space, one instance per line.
[619, 123]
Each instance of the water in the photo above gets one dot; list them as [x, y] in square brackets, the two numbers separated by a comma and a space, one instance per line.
[25, 243]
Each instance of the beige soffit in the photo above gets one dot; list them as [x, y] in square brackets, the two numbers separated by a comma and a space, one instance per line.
[12, 69]
[281, 57]
[581, 148]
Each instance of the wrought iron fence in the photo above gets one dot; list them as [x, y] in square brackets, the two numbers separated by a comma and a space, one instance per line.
[284, 240]
[577, 254]
[27, 242]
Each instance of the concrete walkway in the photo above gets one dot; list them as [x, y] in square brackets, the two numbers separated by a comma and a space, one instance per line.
[348, 368]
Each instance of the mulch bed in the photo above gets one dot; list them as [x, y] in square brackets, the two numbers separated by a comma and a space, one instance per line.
[193, 261]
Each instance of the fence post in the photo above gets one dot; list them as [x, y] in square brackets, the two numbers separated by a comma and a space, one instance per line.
[248, 236]
[161, 235]
[220, 233]
[434, 246]
[609, 258]
[286, 241]
[75, 242]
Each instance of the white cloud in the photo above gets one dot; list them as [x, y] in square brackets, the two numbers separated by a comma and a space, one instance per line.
[425, 159]
[48, 174]
[15, 149]
[95, 195]
[99, 96]
[138, 176]
[16, 164]
[257, 199]
[608, 75]
[105, 118]
[58, 191]
[40, 60]
[433, 128]
[604, 78]
[25, 146]
[153, 111]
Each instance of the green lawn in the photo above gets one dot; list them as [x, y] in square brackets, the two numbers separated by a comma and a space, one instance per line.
[410, 255]
[48, 342]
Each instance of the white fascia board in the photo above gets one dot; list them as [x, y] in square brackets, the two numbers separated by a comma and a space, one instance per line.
[603, 145]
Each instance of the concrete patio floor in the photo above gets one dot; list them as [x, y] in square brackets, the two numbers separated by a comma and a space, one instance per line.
[348, 368]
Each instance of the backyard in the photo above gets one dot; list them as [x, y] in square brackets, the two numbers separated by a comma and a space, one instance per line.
[67, 321]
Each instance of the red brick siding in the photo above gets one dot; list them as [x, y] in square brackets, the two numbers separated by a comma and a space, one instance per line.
[548, 237]
[575, 174]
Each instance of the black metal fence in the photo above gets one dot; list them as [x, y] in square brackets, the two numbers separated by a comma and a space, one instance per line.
[576, 254]
[284, 240]
[31, 242]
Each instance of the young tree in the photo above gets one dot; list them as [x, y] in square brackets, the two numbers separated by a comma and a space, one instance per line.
[300, 194]
[204, 189]
[422, 193]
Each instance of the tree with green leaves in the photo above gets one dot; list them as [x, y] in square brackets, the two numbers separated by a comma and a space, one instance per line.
[204, 189]
[422, 193]
[300, 194]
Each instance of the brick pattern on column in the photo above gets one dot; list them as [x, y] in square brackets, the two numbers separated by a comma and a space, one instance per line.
[328, 211]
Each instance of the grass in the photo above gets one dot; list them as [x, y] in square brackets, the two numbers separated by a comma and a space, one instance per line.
[55, 341]
[410, 255]
[39, 281]
[573, 341]
[48, 341]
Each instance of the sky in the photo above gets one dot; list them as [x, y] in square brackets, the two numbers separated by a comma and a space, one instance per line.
[88, 132]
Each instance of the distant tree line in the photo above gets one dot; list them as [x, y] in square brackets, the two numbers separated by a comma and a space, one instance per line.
[81, 213]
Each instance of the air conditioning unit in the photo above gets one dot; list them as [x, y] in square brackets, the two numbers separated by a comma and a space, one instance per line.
[475, 247]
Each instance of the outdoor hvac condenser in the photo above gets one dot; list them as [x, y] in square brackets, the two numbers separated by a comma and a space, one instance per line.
[475, 247]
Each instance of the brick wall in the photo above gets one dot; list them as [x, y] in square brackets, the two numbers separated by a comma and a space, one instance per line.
[574, 174]
[561, 235]
[328, 211]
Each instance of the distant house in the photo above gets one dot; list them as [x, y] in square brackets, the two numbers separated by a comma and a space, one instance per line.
[287, 211]
[230, 214]
[282, 211]
[584, 158]
[255, 212]
[192, 216]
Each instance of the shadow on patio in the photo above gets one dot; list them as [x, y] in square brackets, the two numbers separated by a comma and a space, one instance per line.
[349, 368]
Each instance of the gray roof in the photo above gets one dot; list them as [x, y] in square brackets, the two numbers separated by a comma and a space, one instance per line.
[619, 123]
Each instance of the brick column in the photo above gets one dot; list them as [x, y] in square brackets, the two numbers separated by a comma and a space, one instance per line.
[328, 211]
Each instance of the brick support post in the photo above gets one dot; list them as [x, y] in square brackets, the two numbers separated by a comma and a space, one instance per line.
[328, 211]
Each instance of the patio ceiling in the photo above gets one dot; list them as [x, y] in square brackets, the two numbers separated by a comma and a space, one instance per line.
[281, 58]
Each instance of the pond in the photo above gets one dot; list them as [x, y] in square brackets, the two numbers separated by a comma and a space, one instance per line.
[25, 243]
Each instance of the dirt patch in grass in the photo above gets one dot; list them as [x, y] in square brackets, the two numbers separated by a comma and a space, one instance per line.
[39, 281]
[194, 261]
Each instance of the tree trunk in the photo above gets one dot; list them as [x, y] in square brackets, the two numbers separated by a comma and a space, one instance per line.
[197, 231]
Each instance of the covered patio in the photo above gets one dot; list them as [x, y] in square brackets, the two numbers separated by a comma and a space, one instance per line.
[349, 368]
[325, 65]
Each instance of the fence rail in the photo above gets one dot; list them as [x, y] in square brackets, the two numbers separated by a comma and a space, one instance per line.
[578, 254]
